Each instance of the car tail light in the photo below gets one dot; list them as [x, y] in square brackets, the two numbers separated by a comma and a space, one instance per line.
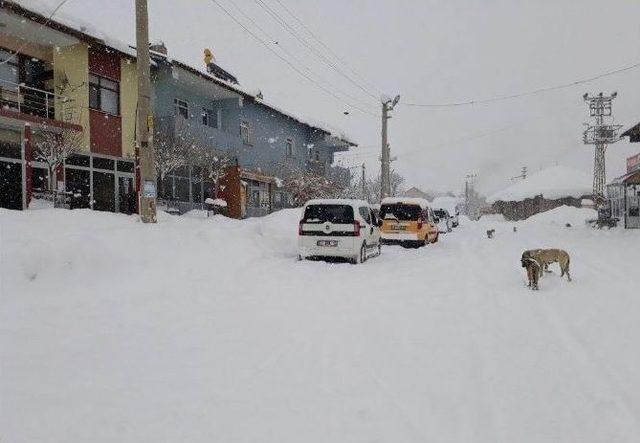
[300, 231]
[420, 222]
[356, 228]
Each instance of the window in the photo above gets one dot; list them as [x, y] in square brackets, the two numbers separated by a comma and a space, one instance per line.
[290, 149]
[400, 211]
[339, 214]
[209, 118]
[9, 70]
[245, 133]
[181, 108]
[366, 215]
[104, 94]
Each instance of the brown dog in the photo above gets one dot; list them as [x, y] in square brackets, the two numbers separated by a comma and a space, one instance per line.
[533, 267]
[548, 256]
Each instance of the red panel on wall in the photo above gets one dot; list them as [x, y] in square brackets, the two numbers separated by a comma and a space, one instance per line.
[105, 63]
[106, 133]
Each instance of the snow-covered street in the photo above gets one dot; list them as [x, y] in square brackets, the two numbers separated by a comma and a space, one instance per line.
[210, 330]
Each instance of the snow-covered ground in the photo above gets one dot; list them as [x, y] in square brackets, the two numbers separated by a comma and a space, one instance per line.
[209, 330]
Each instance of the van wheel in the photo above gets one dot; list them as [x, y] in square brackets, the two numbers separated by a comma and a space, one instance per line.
[362, 256]
[379, 249]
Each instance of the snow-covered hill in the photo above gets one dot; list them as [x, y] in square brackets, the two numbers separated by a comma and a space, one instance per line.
[202, 330]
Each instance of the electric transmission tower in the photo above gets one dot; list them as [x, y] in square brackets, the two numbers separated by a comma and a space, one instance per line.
[600, 134]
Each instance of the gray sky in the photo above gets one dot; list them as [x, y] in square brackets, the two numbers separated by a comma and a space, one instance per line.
[429, 52]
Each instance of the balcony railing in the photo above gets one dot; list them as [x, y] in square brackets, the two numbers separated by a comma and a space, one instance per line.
[33, 101]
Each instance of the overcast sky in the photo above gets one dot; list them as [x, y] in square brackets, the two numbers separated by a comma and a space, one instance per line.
[428, 52]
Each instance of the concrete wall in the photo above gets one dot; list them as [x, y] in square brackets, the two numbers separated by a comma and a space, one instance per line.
[72, 63]
[169, 84]
[269, 131]
[520, 210]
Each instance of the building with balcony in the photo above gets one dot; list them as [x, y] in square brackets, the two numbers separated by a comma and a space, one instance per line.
[55, 77]
[199, 107]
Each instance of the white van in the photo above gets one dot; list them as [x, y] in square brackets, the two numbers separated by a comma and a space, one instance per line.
[339, 228]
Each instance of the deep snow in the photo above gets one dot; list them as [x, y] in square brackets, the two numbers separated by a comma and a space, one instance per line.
[202, 330]
[552, 183]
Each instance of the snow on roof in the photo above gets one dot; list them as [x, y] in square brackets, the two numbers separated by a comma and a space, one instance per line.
[406, 200]
[255, 95]
[337, 201]
[45, 10]
[552, 183]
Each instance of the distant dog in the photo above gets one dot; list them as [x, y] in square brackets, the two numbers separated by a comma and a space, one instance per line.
[533, 267]
[548, 256]
[490, 233]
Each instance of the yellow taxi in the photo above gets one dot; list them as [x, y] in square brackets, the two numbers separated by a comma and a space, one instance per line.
[407, 222]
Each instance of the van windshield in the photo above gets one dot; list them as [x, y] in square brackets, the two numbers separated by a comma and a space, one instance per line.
[400, 211]
[339, 214]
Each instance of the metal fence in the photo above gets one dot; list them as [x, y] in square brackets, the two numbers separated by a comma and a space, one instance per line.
[34, 101]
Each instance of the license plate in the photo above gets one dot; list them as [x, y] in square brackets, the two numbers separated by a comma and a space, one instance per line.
[398, 228]
[327, 243]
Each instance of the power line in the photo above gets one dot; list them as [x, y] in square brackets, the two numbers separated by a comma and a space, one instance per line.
[523, 94]
[291, 65]
[325, 46]
[282, 22]
[287, 52]
[21, 47]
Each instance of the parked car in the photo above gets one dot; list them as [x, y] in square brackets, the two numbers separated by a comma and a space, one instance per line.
[339, 228]
[443, 220]
[407, 222]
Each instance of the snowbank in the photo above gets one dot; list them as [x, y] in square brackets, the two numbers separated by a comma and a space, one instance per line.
[552, 183]
[203, 329]
[563, 215]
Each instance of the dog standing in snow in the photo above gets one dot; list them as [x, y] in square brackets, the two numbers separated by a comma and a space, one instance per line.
[548, 256]
[533, 267]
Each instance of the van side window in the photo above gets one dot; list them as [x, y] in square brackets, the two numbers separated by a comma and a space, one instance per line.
[364, 212]
[374, 219]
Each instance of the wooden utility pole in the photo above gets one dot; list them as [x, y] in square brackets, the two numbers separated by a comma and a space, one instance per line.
[144, 124]
[364, 184]
[385, 159]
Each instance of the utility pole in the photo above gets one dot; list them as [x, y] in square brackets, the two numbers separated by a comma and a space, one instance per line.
[600, 134]
[469, 195]
[364, 184]
[144, 123]
[385, 159]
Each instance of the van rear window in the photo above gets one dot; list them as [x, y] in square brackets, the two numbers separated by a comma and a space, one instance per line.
[400, 211]
[339, 214]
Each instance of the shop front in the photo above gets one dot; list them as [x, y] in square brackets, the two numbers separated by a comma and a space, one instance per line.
[100, 182]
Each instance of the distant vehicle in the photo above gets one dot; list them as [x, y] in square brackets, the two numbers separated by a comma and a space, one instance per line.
[455, 221]
[443, 220]
[339, 228]
[408, 222]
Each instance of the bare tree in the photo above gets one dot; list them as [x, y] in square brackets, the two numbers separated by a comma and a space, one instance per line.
[304, 185]
[172, 152]
[397, 186]
[212, 163]
[53, 146]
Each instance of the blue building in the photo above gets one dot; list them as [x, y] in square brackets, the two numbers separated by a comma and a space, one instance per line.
[211, 110]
